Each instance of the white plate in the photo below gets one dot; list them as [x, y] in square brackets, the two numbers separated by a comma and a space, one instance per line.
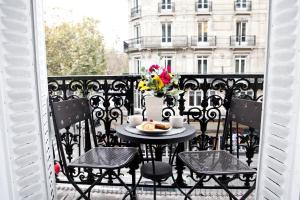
[140, 128]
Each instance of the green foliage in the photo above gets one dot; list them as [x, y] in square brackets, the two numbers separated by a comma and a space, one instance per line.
[75, 49]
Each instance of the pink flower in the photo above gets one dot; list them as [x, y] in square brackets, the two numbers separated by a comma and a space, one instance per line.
[165, 77]
[169, 69]
[152, 67]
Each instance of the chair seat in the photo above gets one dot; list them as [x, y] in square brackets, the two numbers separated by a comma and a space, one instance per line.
[162, 170]
[106, 158]
[214, 163]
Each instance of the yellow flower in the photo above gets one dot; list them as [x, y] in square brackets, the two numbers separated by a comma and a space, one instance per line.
[141, 84]
[158, 82]
[144, 88]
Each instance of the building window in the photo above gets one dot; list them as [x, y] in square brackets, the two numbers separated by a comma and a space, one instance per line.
[135, 3]
[137, 33]
[166, 29]
[195, 98]
[202, 4]
[241, 4]
[240, 64]
[167, 61]
[137, 65]
[241, 28]
[202, 64]
[202, 32]
[166, 5]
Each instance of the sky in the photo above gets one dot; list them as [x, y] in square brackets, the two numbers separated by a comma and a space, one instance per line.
[112, 14]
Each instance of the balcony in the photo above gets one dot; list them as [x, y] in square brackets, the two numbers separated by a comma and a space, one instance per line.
[135, 12]
[113, 98]
[248, 41]
[242, 7]
[203, 8]
[203, 42]
[155, 42]
[166, 8]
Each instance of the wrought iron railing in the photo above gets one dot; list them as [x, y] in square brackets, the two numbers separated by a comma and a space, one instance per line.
[242, 41]
[155, 42]
[135, 12]
[203, 41]
[241, 5]
[112, 99]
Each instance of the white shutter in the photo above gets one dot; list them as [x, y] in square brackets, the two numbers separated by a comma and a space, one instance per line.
[24, 143]
[281, 104]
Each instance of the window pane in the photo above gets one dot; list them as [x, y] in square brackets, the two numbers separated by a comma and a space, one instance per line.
[242, 66]
[199, 66]
[198, 98]
[191, 98]
[169, 32]
[237, 66]
[205, 66]
[163, 26]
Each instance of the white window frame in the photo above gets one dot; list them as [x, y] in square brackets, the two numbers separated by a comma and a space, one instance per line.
[137, 64]
[137, 34]
[240, 58]
[166, 5]
[197, 98]
[167, 60]
[202, 59]
[203, 5]
[241, 32]
[241, 4]
[202, 32]
[166, 34]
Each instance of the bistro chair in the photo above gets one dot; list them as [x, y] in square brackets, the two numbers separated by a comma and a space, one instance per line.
[105, 159]
[221, 163]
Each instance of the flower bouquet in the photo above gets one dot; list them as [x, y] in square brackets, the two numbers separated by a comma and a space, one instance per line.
[160, 81]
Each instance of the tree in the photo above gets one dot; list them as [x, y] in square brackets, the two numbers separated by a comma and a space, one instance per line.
[117, 62]
[75, 48]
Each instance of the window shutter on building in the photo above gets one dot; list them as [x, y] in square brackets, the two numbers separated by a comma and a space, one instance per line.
[281, 104]
[24, 143]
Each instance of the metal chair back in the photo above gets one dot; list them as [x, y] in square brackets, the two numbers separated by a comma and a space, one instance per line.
[65, 114]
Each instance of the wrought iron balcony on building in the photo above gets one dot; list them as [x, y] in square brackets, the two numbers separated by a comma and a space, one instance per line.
[203, 8]
[135, 12]
[241, 6]
[112, 99]
[203, 41]
[246, 41]
[155, 42]
[166, 8]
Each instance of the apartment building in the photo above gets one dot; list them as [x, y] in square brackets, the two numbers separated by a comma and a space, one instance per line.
[198, 36]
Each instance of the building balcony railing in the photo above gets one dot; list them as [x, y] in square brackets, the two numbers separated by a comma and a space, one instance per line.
[166, 8]
[135, 12]
[156, 42]
[203, 7]
[243, 41]
[203, 42]
[113, 98]
[242, 6]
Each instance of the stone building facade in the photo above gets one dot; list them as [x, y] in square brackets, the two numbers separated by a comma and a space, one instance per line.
[198, 36]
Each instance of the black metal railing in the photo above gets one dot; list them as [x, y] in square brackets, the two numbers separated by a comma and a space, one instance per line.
[166, 8]
[135, 12]
[240, 5]
[112, 100]
[242, 41]
[155, 42]
[203, 7]
[203, 41]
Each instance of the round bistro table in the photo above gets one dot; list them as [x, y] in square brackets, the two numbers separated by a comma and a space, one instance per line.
[156, 170]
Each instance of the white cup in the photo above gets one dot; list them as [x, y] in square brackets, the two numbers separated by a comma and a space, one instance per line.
[135, 120]
[176, 121]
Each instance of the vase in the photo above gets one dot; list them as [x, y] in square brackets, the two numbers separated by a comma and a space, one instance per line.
[154, 106]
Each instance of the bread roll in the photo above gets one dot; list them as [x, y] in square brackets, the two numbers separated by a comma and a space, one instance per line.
[148, 126]
[162, 126]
